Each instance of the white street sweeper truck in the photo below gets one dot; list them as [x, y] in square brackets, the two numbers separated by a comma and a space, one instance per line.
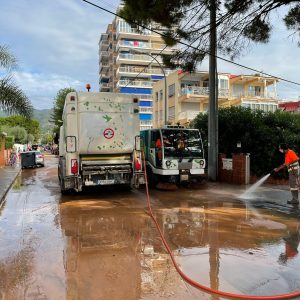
[99, 141]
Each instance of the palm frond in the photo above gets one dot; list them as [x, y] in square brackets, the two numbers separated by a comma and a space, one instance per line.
[13, 100]
[7, 59]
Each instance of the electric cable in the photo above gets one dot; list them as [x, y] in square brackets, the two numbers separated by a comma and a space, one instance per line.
[187, 278]
[160, 52]
[191, 46]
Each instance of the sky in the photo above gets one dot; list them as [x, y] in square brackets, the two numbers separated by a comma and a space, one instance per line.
[56, 44]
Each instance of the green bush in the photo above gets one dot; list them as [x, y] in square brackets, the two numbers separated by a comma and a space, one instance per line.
[259, 132]
[9, 142]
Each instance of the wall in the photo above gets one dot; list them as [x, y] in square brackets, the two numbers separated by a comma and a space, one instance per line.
[2, 154]
[235, 170]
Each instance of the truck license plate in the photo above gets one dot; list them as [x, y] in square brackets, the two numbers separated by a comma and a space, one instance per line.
[108, 181]
[184, 177]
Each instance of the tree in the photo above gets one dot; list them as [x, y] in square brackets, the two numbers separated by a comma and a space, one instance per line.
[259, 132]
[238, 23]
[12, 98]
[31, 126]
[19, 133]
[59, 102]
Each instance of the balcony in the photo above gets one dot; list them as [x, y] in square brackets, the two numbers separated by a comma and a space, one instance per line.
[188, 115]
[145, 97]
[134, 83]
[144, 125]
[143, 46]
[256, 95]
[196, 93]
[103, 56]
[103, 45]
[128, 31]
[133, 44]
[146, 109]
[142, 71]
[141, 58]
[104, 75]
[104, 87]
[103, 66]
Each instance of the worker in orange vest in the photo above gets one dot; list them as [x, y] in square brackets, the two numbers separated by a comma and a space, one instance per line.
[291, 161]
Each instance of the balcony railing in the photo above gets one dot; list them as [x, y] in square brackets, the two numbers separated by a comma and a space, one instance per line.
[143, 45]
[146, 123]
[104, 85]
[145, 97]
[103, 45]
[103, 65]
[140, 57]
[103, 55]
[137, 70]
[202, 91]
[134, 31]
[188, 115]
[135, 83]
[257, 94]
[134, 44]
[146, 109]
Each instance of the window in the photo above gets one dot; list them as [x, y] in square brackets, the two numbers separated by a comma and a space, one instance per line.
[156, 96]
[172, 113]
[160, 95]
[171, 90]
[161, 115]
[254, 90]
[223, 83]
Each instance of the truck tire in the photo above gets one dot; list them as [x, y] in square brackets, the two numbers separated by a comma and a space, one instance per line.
[62, 186]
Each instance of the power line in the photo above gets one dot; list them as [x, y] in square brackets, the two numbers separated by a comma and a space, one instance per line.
[191, 46]
[160, 52]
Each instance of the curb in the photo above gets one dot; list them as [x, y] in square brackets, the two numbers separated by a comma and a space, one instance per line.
[2, 197]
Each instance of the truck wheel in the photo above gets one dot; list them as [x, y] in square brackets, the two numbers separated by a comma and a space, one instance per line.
[62, 189]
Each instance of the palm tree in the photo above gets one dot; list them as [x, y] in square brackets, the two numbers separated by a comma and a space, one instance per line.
[12, 98]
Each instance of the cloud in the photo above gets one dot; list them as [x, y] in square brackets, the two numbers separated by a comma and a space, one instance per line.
[42, 88]
[56, 43]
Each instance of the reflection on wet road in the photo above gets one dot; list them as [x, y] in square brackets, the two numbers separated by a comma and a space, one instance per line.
[102, 244]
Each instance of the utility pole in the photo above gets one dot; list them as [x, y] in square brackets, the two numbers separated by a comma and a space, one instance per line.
[213, 101]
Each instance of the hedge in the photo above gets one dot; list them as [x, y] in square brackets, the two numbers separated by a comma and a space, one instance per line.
[259, 132]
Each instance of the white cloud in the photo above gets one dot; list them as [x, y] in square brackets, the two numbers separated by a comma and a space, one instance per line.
[56, 43]
[42, 88]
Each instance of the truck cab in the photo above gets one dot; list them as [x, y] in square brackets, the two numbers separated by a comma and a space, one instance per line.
[173, 154]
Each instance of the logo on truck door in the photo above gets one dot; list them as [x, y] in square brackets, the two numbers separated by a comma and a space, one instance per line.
[108, 133]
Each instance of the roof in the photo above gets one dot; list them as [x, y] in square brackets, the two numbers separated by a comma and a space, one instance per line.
[290, 105]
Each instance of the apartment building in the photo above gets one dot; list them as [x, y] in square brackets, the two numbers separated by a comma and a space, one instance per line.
[130, 62]
[188, 94]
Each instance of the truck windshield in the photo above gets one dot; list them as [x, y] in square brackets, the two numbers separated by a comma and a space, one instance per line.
[182, 143]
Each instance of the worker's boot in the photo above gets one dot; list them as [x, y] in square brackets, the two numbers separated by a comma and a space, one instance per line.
[295, 199]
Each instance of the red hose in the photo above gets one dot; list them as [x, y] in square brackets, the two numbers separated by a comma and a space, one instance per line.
[191, 281]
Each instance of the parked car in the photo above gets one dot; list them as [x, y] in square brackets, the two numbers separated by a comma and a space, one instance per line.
[39, 159]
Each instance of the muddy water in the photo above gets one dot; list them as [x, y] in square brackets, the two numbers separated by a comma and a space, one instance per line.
[103, 245]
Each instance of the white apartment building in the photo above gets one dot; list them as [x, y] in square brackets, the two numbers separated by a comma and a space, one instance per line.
[126, 64]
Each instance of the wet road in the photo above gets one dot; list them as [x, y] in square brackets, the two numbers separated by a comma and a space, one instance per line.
[102, 244]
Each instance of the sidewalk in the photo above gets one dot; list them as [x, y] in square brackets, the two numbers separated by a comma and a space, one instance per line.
[7, 177]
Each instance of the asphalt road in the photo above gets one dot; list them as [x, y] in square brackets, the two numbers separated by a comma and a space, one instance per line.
[102, 244]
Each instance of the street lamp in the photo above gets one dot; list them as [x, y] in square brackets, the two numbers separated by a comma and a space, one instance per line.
[165, 80]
